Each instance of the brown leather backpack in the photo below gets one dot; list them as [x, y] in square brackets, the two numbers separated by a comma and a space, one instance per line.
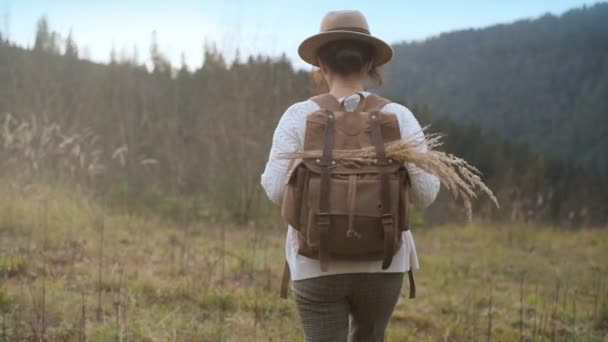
[343, 211]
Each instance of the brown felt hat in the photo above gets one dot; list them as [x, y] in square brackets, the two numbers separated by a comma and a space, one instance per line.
[344, 25]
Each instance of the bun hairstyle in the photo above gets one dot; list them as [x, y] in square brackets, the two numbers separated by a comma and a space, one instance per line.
[346, 58]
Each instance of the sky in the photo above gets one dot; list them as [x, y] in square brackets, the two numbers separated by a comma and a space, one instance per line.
[253, 27]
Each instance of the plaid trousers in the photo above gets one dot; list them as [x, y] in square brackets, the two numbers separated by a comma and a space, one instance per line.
[353, 307]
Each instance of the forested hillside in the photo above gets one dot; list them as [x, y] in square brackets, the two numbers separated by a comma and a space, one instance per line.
[541, 81]
[191, 144]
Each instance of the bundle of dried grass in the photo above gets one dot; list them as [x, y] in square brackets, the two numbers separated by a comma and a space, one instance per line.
[456, 174]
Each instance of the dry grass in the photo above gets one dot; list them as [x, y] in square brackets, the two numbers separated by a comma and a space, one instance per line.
[456, 174]
[163, 281]
[32, 146]
[36, 149]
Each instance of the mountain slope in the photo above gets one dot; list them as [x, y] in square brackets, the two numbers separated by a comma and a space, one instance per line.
[542, 81]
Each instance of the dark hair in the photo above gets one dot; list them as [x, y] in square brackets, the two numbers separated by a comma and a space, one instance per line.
[347, 57]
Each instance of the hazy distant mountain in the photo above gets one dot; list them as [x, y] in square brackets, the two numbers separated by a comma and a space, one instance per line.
[543, 81]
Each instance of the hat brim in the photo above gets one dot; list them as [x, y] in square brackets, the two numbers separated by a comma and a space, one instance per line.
[309, 47]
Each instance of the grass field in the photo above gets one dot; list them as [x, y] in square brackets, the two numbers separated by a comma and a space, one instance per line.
[70, 271]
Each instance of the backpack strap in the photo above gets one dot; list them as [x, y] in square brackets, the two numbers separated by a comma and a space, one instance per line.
[329, 104]
[327, 101]
[374, 103]
[371, 103]
[323, 220]
[388, 223]
[410, 275]
[285, 280]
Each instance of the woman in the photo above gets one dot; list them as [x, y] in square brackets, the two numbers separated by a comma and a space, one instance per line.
[354, 299]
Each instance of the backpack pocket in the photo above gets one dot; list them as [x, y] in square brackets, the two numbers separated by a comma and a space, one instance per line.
[294, 194]
[355, 211]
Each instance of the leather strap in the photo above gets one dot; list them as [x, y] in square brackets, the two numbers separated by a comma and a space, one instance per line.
[404, 201]
[374, 103]
[351, 202]
[388, 224]
[285, 280]
[323, 219]
[406, 219]
[327, 101]
[410, 275]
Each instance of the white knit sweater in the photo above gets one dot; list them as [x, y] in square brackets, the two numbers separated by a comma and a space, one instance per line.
[289, 137]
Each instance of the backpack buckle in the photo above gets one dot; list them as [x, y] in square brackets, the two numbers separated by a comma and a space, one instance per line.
[387, 220]
[323, 219]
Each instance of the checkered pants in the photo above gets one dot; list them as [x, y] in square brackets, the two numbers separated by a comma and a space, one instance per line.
[352, 307]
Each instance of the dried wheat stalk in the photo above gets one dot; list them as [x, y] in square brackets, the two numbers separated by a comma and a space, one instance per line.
[35, 145]
[456, 174]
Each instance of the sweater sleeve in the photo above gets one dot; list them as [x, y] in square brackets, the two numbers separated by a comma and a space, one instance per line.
[425, 186]
[288, 137]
